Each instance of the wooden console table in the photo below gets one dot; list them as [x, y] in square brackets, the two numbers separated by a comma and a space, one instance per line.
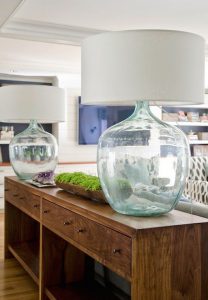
[51, 233]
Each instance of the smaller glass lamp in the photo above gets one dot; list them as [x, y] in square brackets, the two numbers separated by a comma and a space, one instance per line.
[34, 150]
[143, 162]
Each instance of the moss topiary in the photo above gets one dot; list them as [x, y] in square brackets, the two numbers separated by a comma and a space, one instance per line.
[89, 182]
[122, 185]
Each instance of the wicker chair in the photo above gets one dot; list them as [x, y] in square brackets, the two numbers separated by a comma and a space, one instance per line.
[197, 185]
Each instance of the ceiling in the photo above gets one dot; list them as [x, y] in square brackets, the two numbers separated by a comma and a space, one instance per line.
[28, 27]
[69, 21]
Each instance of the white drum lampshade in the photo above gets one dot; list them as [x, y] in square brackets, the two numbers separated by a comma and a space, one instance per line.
[155, 65]
[143, 162]
[34, 150]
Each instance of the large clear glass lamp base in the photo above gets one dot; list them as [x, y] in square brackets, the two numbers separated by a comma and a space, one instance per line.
[143, 164]
[33, 151]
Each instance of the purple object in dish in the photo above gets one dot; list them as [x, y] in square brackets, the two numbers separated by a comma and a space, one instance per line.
[44, 177]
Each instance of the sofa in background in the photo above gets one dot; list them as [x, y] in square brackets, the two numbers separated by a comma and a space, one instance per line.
[195, 198]
[197, 185]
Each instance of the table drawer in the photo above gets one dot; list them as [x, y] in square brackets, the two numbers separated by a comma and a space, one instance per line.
[23, 199]
[110, 247]
[58, 218]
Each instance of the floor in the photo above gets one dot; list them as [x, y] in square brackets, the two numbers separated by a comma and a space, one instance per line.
[15, 284]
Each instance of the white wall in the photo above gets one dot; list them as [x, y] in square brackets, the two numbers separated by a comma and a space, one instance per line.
[69, 150]
[206, 73]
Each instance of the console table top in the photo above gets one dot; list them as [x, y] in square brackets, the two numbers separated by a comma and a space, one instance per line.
[105, 215]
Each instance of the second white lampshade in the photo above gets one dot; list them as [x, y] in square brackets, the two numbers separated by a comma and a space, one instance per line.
[45, 104]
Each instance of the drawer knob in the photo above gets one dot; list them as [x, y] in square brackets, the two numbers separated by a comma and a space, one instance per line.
[15, 195]
[46, 211]
[21, 197]
[36, 205]
[116, 251]
[67, 223]
[79, 230]
[6, 190]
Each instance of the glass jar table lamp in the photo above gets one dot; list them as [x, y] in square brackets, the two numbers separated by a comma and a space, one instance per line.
[34, 150]
[143, 162]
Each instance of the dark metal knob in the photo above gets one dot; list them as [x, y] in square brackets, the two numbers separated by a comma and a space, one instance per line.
[46, 211]
[116, 251]
[79, 230]
[6, 190]
[67, 222]
[36, 205]
[21, 197]
[15, 195]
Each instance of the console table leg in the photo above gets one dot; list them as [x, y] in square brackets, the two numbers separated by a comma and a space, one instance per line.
[7, 219]
[170, 263]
